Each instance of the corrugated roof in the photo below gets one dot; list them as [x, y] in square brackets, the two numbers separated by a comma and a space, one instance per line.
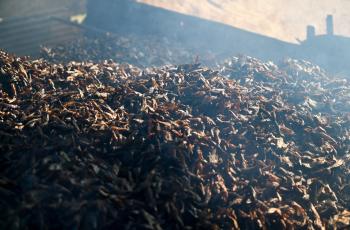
[25, 35]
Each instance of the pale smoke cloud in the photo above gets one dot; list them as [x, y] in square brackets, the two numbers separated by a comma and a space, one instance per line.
[283, 19]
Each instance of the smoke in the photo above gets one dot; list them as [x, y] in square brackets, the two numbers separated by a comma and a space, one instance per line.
[282, 19]
[277, 19]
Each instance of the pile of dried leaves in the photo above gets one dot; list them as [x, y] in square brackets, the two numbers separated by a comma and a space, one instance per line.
[101, 146]
[141, 52]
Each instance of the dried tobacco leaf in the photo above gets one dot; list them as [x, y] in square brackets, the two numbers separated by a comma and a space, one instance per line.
[249, 145]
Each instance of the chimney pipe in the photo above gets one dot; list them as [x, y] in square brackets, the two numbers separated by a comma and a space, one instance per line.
[310, 32]
[330, 27]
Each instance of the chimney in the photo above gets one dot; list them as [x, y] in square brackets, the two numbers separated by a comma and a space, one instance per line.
[310, 32]
[330, 27]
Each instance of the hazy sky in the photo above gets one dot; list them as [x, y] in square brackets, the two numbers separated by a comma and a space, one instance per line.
[283, 19]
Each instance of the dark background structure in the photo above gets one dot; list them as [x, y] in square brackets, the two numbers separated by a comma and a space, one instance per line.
[25, 34]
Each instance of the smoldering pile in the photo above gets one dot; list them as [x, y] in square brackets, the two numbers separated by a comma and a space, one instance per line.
[139, 51]
[99, 146]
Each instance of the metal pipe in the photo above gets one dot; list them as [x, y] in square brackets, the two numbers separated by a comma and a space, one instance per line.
[310, 32]
[330, 26]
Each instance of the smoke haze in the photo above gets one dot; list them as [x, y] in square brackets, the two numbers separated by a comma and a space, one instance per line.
[282, 19]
